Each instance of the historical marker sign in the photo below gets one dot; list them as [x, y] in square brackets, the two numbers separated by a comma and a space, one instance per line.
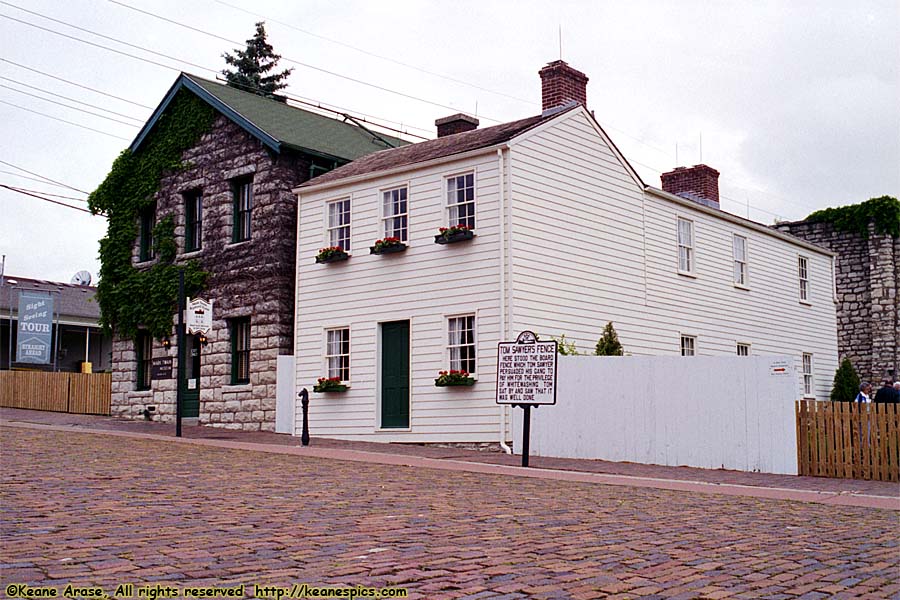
[35, 331]
[198, 316]
[526, 371]
[161, 368]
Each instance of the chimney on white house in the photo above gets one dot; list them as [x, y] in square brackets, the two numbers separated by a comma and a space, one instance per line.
[699, 183]
[561, 85]
[457, 123]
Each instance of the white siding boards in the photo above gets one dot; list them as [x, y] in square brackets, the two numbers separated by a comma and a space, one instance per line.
[580, 241]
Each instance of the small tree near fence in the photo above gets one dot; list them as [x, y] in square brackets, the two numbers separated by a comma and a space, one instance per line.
[846, 383]
[608, 344]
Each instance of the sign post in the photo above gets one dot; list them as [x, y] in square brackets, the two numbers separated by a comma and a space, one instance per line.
[179, 393]
[526, 377]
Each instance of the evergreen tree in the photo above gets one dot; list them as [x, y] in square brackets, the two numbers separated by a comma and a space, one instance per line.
[846, 383]
[253, 65]
[608, 344]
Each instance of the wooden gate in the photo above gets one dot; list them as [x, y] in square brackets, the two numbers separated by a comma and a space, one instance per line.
[80, 393]
[849, 440]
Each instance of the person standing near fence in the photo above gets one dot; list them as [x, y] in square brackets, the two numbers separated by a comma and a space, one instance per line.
[887, 394]
[865, 388]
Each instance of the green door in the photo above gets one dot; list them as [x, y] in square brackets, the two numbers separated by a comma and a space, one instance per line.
[395, 374]
[191, 381]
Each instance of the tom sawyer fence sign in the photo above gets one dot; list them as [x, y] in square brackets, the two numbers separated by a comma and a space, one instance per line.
[526, 377]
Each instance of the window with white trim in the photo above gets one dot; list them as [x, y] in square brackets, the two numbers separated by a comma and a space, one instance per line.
[743, 349]
[394, 213]
[807, 375]
[337, 353]
[803, 274]
[688, 345]
[739, 246]
[461, 200]
[685, 245]
[461, 343]
[338, 230]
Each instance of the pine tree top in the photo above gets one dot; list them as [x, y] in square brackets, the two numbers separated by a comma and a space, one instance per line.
[253, 66]
[608, 344]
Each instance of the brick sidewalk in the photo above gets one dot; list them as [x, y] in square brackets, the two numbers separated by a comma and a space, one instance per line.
[656, 472]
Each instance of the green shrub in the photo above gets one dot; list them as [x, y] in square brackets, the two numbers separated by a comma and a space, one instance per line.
[846, 383]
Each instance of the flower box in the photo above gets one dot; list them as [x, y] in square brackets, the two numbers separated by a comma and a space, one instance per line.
[451, 235]
[325, 385]
[453, 378]
[388, 245]
[333, 254]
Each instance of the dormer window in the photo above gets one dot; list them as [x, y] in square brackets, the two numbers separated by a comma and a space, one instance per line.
[461, 200]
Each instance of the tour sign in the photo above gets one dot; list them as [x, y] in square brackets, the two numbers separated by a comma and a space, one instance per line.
[526, 371]
[198, 316]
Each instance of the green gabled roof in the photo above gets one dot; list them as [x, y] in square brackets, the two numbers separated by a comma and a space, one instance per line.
[276, 124]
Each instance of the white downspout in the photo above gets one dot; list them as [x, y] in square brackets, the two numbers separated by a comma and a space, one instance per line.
[503, 326]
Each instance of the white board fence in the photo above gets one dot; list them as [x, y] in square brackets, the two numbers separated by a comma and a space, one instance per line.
[711, 412]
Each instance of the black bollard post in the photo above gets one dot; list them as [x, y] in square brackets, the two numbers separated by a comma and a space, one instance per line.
[304, 400]
[526, 433]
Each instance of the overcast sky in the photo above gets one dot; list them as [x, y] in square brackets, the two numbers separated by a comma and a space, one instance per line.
[797, 103]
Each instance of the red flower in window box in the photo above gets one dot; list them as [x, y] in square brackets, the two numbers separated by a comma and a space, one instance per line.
[329, 384]
[454, 233]
[331, 254]
[387, 245]
[453, 377]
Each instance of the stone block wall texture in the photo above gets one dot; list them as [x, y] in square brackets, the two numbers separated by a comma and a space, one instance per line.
[252, 279]
[868, 310]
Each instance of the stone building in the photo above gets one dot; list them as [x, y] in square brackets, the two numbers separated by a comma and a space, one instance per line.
[235, 214]
[868, 299]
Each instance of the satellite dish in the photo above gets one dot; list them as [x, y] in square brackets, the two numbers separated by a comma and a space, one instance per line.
[81, 278]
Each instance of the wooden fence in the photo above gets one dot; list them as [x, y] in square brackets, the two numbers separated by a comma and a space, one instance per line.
[81, 393]
[849, 440]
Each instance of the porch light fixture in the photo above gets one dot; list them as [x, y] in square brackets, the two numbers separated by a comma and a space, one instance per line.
[166, 342]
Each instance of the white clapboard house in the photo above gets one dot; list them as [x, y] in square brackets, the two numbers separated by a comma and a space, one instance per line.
[566, 238]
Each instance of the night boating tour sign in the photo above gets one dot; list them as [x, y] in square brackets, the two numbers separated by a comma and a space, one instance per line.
[35, 332]
[526, 377]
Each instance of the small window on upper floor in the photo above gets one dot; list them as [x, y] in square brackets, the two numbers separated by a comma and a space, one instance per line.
[148, 222]
[741, 275]
[394, 213]
[242, 189]
[743, 349]
[803, 275]
[461, 200]
[688, 345]
[685, 246]
[193, 221]
[337, 232]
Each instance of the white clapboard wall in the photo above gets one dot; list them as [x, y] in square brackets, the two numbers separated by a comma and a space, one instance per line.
[703, 411]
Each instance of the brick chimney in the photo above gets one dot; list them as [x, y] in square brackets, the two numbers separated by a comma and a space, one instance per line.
[699, 183]
[457, 123]
[561, 84]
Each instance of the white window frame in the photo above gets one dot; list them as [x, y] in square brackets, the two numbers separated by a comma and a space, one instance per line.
[450, 346]
[451, 205]
[387, 228]
[690, 255]
[331, 229]
[741, 264]
[806, 369]
[803, 278]
[340, 369]
[747, 348]
[692, 346]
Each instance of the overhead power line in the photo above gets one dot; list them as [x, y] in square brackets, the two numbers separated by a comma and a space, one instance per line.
[45, 199]
[52, 181]
[112, 112]
[70, 106]
[96, 91]
[43, 193]
[63, 120]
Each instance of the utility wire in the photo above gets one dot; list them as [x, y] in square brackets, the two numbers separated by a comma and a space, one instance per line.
[63, 120]
[18, 191]
[96, 91]
[69, 106]
[286, 59]
[43, 193]
[53, 181]
[32, 178]
[112, 112]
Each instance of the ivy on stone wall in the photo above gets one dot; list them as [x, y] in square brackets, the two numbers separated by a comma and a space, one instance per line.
[884, 212]
[132, 298]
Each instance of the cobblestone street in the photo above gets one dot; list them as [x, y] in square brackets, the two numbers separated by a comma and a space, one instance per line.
[101, 510]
